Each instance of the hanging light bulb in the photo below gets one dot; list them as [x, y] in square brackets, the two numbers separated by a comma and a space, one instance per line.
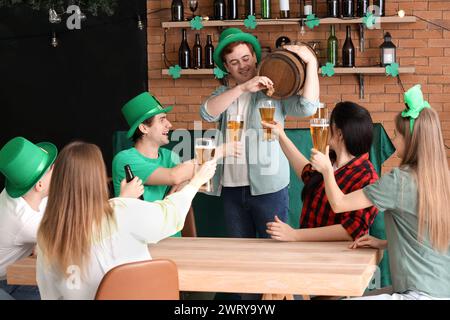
[54, 42]
[302, 28]
[401, 13]
[140, 24]
[53, 16]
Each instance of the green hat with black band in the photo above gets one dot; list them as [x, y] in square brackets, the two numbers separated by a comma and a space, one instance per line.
[231, 35]
[140, 108]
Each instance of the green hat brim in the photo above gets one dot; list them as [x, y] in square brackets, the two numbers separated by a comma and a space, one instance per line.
[16, 191]
[236, 37]
[145, 117]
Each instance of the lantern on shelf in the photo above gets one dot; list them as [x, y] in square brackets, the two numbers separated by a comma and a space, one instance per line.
[387, 51]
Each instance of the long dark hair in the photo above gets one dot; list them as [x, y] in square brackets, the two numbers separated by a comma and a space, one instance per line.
[355, 123]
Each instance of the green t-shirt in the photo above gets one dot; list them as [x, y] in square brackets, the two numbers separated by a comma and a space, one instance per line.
[413, 265]
[143, 167]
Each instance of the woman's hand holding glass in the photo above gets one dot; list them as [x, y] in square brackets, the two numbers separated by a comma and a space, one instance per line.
[276, 127]
[321, 162]
[204, 174]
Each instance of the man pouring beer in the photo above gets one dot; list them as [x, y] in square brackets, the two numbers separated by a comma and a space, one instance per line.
[254, 187]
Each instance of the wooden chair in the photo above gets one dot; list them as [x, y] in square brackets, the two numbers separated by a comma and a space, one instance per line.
[143, 280]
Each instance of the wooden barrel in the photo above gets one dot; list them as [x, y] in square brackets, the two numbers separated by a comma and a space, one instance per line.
[286, 70]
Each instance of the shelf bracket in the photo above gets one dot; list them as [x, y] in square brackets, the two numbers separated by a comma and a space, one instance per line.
[361, 86]
[361, 37]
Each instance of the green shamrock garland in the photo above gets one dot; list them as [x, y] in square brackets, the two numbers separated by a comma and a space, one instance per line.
[312, 21]
[175, 71]
[250, 22]
[392, 70]
[196, 23]
[328, 70]
[369, 20]
[219, 73]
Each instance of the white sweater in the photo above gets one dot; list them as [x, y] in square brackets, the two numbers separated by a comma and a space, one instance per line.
[138, 224]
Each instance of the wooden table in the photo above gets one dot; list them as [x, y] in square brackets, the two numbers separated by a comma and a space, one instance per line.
[274, 268]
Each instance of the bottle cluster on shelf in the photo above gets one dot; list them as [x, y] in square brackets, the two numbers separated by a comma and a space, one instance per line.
[194, 59]
[229, 9]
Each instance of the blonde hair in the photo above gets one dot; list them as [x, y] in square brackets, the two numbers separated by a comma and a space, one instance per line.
[426, 157]
[77, 206]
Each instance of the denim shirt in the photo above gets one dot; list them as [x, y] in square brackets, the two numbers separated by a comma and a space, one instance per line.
[268, 167]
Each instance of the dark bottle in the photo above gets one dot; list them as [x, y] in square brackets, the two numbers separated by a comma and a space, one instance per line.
[333, 8]
[265, 9]
[209, 52]
[233, 13]
[361, 7]
[197, 53]
[332, 47]
[219, 10]
[348, 8]
[177, 10]
[130, 176]
[184, 53]
[348, 50]
[381, 4]
[250, 8]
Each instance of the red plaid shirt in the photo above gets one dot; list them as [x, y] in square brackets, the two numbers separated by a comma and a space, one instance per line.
[317, 212]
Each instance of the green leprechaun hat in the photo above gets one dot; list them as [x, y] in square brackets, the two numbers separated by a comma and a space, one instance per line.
[140, 108]
[23, 163]
[231, 35]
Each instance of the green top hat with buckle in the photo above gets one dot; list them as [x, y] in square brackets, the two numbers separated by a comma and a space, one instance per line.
[140, 108]
[23, 163]
[231, 35]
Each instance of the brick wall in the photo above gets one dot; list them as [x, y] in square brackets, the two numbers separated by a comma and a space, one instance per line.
[419, 44]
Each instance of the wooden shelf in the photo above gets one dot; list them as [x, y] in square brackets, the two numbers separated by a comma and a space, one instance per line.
[293, 21]
[338, 71]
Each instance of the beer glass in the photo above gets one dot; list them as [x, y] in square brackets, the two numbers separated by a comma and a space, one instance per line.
[267, 112]
[319, 133]
[322, 112]
[205, 149]
[235, 126]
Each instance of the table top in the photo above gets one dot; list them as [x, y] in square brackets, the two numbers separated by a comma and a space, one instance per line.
[269, 266]
[254, 266]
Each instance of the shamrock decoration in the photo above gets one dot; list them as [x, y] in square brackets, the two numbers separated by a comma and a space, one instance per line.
[250, 22]
[312, 21]
[392, 70]
[196, 23]
[175, 71]
[415, 104]
[328, 70]
[369, 20]
[218, 73]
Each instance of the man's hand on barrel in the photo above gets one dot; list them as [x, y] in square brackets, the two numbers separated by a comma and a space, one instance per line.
[256, 84]
[305, 53]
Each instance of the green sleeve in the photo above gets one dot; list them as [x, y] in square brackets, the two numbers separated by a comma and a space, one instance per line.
[118, 173]
[383, 193]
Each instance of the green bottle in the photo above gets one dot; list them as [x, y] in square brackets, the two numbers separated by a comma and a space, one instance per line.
[265, 9]
[332, 47]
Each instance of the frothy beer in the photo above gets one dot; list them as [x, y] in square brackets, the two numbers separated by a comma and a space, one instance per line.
[267, 114]
[319, 133]
[235, 130]
[205, 151]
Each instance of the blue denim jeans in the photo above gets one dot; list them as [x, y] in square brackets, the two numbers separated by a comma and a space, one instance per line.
[21, 292]
[246, 215]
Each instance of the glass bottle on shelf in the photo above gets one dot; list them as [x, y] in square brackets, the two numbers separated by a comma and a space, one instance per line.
[265, 9]
[348, 8]
[184, 53]
[332, 47]
[348, 51]
[284, 9]
[177, 10]
[380, 7]
[333, 8]
[219, 10]
[209, 52]
[250, 8]
[233, 13]
[197, 53]
[361, 7]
